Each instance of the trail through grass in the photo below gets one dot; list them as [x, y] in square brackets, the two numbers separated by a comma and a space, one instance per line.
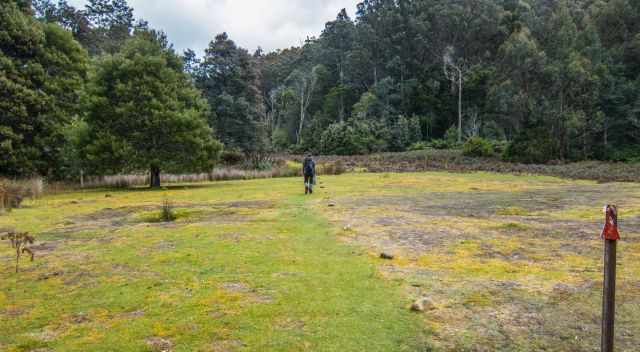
[246, 267]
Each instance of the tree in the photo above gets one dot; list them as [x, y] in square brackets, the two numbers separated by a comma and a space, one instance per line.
[230, 80]
[42, 71]
[455, 73]
[144, 112]
[336, 41]
[304, 85]
[101, 27]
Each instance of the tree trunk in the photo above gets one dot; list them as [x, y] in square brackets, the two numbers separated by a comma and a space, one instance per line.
[154, 177]
[17, 258]
[460, 107]
[375, 75]
[342, 112]
[301, 119]
[606, 131]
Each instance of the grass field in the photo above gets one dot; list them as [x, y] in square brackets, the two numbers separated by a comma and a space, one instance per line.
[510, 264]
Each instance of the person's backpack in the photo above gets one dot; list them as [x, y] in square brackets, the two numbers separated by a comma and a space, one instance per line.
[308, 166]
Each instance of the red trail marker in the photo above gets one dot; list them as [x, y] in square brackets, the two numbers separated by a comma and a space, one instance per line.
[611, 236]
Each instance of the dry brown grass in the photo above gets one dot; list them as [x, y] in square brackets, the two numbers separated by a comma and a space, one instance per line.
[220, 174]
[454, 161]
[13, 192]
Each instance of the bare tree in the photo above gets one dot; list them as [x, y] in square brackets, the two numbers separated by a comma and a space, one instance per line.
[272, 115]
[473, 125]
[455, 72]
[303, 84]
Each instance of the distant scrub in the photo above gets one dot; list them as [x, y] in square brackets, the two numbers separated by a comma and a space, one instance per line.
[13, 192]
[281, 167]
[455, 161]
[232, 157]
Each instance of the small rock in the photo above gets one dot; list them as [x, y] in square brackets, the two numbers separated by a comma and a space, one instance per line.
[158, 344]
[332, 204]
[422, 304]
[80, 318]
[388, 256]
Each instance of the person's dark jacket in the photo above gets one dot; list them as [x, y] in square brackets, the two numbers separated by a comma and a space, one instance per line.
[309, 167]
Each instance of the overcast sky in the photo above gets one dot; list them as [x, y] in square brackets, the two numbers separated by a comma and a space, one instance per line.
[271, 24]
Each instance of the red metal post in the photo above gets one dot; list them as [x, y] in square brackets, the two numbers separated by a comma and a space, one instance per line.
[611, 236]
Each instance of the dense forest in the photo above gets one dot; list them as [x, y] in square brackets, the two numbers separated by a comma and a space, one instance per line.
[534, 81]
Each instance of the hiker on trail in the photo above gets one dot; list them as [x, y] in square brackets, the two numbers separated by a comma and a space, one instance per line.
[309, 172]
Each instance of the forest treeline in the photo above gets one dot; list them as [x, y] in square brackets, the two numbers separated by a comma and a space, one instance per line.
[96, 89]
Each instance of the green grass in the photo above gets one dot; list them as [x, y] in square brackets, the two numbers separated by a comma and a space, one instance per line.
[510, 263]
[264, 274]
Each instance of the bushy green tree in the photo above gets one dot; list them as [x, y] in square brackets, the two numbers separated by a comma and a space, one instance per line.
[102, 26]
[229, 78]
[42, 72]
[145, 113]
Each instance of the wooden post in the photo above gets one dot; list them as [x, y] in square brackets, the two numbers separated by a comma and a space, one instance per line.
[611, 236]
[609, 295]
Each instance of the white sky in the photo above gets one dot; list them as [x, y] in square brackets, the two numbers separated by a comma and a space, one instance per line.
[271, 24]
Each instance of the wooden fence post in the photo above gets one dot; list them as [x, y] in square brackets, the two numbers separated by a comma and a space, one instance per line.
[610, 235]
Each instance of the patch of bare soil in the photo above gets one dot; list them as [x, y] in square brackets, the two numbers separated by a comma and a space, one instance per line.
[253, 295]
[110, 219]
[227, 346]
[42, 248]
[102, 220]
[250, 204]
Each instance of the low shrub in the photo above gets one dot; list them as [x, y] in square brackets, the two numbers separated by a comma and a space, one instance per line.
[451, 137]
[332, 168]
[499, 146]
[343, 139]
[422, 145]
[630, 154]
[534, 145]
[13, 192]
[166, 214]
[232, 157]
[260, 161]
[478, 147]
[440, 144]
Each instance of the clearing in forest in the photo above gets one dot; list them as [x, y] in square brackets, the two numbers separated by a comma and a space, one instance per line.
[507, 263]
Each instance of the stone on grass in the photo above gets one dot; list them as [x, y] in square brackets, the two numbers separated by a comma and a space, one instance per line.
[387, 255]
[332, 204]
[422, 304]
[158, 344]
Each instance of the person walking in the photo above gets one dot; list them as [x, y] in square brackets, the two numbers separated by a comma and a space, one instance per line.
[309, 172]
